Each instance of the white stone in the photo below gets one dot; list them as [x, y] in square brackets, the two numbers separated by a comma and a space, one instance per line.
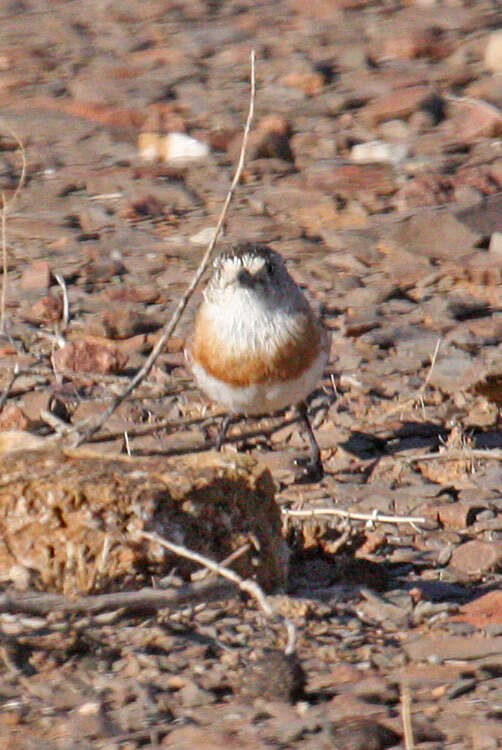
[379, 151]
[495, 246]
[204, 237]
[493, 53]
[182, 147]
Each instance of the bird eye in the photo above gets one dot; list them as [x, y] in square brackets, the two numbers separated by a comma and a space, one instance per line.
[270, 267]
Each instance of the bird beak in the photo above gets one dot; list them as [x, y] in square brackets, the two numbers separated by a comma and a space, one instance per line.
[245, 278]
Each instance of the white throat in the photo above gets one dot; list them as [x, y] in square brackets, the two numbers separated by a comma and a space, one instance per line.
[245, 324]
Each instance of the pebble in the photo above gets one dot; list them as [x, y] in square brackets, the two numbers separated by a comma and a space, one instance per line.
[182, 147]
[204, 237]
[495, 246]
[476, 557]
[493, 52]
[171, 148]
[379, 151]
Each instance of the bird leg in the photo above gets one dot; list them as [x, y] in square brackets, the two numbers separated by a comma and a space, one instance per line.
[222, 432]
[313, 464]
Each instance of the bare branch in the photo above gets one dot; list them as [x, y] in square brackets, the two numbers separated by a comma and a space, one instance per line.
[374, 517]
[66, 303]
[250, 587]
[147, 598]
[406, 716]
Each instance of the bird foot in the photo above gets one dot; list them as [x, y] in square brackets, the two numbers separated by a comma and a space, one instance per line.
[310, 470]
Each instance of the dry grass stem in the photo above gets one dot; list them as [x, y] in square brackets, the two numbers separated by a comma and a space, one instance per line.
[171, 325]
[374, 517]
[66, 302]
[419, 398]
[406, 717]
[199, 575]
[465, 454]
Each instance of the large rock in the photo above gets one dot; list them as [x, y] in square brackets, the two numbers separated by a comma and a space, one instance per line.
[72, 521]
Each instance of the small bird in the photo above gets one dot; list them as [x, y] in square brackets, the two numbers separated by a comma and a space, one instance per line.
[257, 345]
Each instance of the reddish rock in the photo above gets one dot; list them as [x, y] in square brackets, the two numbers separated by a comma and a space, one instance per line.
[409, 44]
[120, 322]
[487, 610]
[475, 558]
[13, 418]
[493, 53]
[350, 179]
[36, 276]
[435, 234]
[457, 515]
[398, 104]
[474, 119]
[310, 83]
[88, 356]
[270, 140]
[146, 293]
[48, 309]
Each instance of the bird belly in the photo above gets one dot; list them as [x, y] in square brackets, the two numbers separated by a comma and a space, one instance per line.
[264, 396]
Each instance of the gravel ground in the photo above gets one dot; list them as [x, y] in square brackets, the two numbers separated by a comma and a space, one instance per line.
[375, 167]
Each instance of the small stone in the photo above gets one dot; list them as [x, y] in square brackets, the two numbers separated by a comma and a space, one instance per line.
[457, 515]
[361, 734]
[274, 676]
[473, 120]
[495, 246]
[48, 309]
[36, 276]
[483, 611]
[149, 146]
[399, 103]
[204, 237]
[348, 180]
[493, 52]
[191, 696]
[179, 147]
[310, 83]
[89, 356]
[476, 558]
[13, 418]
[379, 151]
[120, 322]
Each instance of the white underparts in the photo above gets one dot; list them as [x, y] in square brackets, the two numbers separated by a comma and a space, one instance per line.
[261, 398]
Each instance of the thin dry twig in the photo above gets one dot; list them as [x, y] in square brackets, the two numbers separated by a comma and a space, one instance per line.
[66, 302]
[199, 575]
[171, 325]
[453, 455]
[409, 742]
[249, 587]
[374, 517]
[419, 397]
[147, 598]
[6, 206]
